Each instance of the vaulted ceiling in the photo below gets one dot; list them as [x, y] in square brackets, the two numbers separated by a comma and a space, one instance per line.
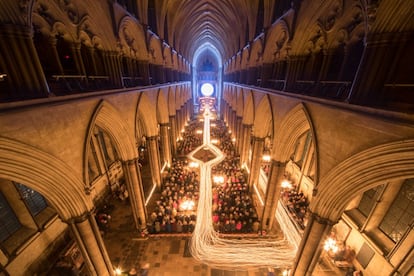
[227, 25]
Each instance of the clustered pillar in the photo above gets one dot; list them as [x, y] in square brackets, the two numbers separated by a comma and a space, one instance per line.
[276, 176]
[258, 144]
[154, 159]
[244, 154]
[136, 194]
[90, 243]
[165, 143]
[310, 248]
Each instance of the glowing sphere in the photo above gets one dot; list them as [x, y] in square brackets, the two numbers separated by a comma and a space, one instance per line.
[207, 89]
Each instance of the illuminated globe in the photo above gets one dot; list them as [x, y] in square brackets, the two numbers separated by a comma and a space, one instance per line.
[207, 89]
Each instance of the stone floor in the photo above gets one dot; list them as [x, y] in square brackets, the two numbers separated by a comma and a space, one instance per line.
[167, 255]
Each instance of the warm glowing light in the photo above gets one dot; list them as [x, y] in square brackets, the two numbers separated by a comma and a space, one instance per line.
[286, 272]
[118, 271]
[193, 165]
[182, 131]
[213, 125]
[214, 141]
[286, 184]
[330, 245]
[207, 89]
[266, 158]
[218, 179]
[199, 131]
[233, 140]
[187, 205]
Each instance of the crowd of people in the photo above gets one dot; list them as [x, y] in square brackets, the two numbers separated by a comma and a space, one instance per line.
[232, 206]
[297, 204]
[175, 210]
[190, 139]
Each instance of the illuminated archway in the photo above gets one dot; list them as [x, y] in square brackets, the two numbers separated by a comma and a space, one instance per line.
[216, 54]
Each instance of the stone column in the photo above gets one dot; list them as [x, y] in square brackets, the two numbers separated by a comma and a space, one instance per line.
[113, 69]
[173, 134]
[276, 176]
[184, 115]
[177, 121]
[80, 68]
[136, 193]
[187, 109]
[229, 117]
[311, 246]
[165, 143]
[258, 144]
[238, 133]
[19, 59]
[115, 64]
[154, 158]
[108, 68]
[180, 118]
[89, 240]
[247, 129]
[91, 52]
[55, 55]
[228, 110]
[233, 121]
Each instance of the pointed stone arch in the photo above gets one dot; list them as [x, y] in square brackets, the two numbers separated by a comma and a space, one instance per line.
[132, 38]
[167, 56]
[239, 102]
[238, 61]
[171, 100]
[178, 98]
[106, 117]
[175, 60]
[256, 52]
[278, 37]
[94, 31]
[60, 29]
[155, 51]
[295, 123]
[245, 56]
[263, 119]
[361, 172]
[45, 174]
[147, 114]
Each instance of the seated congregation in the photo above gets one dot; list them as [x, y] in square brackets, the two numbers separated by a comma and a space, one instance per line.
[175, 209]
